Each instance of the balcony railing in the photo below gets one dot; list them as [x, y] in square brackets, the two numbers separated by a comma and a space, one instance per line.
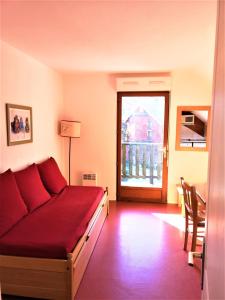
[142, 160]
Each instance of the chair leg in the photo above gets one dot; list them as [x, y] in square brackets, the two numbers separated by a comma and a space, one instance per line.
[186, 234]
[194, 237]
[191, 256]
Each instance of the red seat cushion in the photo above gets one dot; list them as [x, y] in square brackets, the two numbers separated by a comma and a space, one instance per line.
[52, 230]
[51, 176]
[12, 206]
[31, 187]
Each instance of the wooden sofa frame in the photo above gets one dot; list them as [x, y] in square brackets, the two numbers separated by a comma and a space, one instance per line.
[53, 278]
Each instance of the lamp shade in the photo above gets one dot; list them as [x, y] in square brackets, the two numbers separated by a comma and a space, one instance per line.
[70, 128]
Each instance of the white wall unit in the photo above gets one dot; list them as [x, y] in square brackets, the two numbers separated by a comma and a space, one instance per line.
[159, 83]
[89, 179]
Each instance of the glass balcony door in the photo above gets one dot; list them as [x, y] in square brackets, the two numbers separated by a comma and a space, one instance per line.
[142, 146]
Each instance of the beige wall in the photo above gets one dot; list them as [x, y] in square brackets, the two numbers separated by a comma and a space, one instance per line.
[189, 87]
[91, 99]
[26, 81]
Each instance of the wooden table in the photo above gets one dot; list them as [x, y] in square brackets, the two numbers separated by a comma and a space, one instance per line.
[202, 191]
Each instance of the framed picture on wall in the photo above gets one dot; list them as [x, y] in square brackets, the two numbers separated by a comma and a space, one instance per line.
[19, 124]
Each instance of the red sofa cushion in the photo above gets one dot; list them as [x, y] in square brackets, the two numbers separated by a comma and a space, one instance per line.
[51, 176]
[31, 187]
[52, 230]
[12, 206]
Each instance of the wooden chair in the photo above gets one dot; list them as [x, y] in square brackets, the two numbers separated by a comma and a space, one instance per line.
[194, 214]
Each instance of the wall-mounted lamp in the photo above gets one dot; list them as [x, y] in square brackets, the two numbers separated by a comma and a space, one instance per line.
[70, 129]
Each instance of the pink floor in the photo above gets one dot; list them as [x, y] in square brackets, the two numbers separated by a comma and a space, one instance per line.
[139, 256]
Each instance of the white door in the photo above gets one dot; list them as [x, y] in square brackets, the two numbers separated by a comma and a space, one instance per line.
[214, 271]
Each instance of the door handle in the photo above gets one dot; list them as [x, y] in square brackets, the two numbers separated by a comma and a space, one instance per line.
[165, 152]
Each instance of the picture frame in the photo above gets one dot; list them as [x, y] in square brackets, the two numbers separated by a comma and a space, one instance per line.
[19, 124]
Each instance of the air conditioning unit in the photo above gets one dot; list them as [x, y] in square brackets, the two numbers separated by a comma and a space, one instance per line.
[89, 179]
[188, 119]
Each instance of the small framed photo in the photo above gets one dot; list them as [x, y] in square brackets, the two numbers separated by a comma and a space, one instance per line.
[19, 124]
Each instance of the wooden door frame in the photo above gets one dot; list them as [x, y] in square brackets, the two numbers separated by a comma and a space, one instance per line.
[143, 190]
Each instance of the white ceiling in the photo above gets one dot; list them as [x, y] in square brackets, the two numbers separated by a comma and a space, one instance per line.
[113, 36]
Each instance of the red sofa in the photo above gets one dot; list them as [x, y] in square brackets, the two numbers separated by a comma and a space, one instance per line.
[47, 231]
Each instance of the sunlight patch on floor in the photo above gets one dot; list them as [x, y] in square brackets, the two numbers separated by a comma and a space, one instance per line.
[175, 220]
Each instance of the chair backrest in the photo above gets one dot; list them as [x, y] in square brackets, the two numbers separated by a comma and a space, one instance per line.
[181, 180]
[190, 200]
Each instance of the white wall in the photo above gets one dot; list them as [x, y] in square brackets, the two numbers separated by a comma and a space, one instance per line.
[214, 271]
[91, 98]
[1, 109]
[26, 81]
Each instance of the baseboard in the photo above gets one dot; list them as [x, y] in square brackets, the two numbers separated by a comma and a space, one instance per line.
[205, 292]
